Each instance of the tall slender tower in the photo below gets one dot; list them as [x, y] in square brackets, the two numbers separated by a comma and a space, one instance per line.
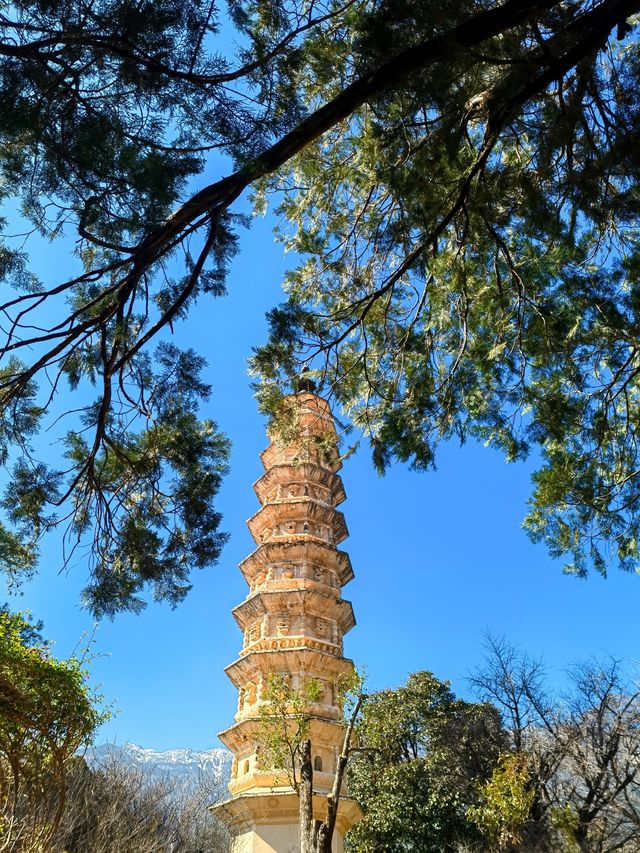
[293, 621]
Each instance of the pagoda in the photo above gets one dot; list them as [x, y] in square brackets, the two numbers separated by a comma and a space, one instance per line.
[293, 621]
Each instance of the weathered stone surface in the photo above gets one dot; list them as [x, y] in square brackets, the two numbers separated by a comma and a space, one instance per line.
[293, 621]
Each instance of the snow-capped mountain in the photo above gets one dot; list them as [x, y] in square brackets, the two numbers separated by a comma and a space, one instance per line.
[186, 768]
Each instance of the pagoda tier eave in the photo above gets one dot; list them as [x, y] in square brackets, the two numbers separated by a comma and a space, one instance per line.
[304, 471]
[314, 420]
[304, 598]
[308, 660]
[246, 731]
[246, 810]
[288, 550]
[272, 456]
[297, 510]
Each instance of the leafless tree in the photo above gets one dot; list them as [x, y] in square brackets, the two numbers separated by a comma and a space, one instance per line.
[117, 808]
[583, 749]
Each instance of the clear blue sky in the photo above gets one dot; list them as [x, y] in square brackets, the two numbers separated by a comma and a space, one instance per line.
[439, 558]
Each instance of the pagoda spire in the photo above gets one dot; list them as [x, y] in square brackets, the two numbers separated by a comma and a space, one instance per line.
[293, 622]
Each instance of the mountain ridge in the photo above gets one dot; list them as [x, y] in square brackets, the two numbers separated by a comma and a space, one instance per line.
[186, 768]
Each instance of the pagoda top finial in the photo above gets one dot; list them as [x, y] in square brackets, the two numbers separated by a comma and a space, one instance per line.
[304, 383]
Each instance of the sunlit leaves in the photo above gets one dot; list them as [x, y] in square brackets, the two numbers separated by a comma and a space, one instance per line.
[507, 798]
[285, 720]
[423, 753]
[469, 266]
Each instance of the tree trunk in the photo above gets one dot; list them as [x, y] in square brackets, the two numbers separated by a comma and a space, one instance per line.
[327, 827]
[580, 837]
[305, 793]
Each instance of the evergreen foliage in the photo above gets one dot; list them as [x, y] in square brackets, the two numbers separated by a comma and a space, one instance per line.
[526, 771]
[424, 754]
[461, 181]
[470, 246]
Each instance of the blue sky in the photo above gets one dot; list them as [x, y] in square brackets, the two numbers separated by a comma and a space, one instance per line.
[439, 559]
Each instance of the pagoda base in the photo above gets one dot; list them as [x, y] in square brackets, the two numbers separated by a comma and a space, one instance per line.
[270, 822]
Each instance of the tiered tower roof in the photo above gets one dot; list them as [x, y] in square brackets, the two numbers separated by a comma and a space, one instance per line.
[294, 617]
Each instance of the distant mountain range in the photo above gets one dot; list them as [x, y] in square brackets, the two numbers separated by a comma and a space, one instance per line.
[184, 767]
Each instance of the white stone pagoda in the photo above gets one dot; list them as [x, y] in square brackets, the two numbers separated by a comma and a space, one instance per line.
[293, 621]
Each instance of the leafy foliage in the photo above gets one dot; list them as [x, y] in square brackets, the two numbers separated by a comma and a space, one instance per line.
[527, 771]
[470, 245]
[423, 755]
[461, 182]
[46, 713]
[285, 718]
[507, 801]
